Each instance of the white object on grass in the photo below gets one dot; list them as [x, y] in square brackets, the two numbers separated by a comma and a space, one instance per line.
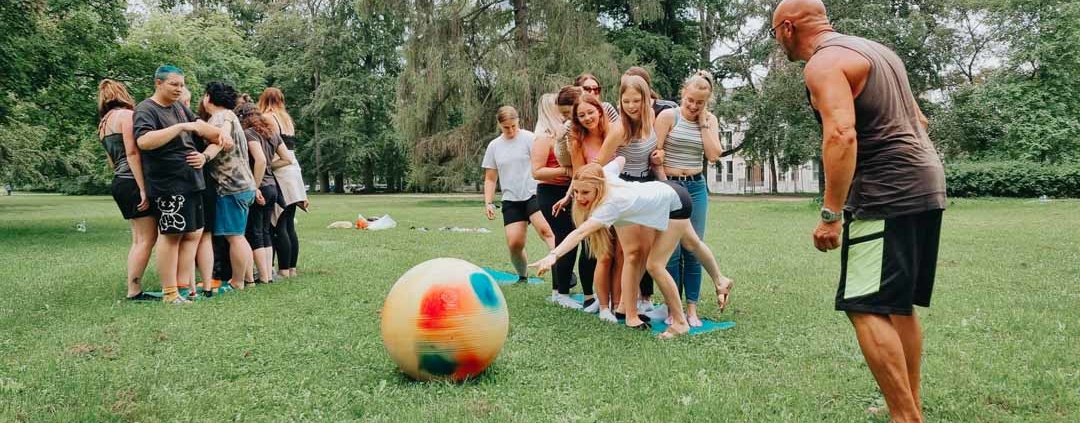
[385, 222]
[341, 224]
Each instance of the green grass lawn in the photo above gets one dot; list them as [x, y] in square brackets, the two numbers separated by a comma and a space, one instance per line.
[1002, 340]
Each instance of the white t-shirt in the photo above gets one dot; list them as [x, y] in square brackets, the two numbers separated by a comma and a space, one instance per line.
[511, 159]
[640, 203]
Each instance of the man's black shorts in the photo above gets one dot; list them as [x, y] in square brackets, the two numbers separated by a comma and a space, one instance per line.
[888, 265]
[519, 211]
[180, 213]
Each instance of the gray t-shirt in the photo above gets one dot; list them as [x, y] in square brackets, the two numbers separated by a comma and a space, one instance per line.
[511, 159]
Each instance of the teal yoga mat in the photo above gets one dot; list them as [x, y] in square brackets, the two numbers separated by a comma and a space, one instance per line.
[509, 278]
[659, 326]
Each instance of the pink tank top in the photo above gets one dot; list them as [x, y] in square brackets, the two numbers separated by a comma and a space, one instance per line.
[591, 152]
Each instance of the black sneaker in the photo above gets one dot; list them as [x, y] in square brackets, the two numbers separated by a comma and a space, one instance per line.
[522, 279]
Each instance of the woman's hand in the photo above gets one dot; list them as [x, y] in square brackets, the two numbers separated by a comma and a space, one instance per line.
[259, 199]
[143, 202]
[196, 159]
[560, 206]
[657, 158]
[545, 263]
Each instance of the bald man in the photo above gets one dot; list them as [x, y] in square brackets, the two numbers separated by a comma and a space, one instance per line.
[879, 158]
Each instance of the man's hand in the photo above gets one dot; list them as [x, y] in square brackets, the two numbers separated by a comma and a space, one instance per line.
[544, 264]
[827, 235]
[259, 199]
[489, 211]
[196, 159]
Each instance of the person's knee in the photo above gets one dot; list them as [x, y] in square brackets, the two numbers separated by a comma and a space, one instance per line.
[633, 255]
[655, 267]
[516, 245]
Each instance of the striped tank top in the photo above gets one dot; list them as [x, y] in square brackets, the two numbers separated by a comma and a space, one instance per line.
[683, 148]
[637, 153]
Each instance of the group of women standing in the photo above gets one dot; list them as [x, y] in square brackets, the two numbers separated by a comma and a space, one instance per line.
[252, 184]
[637, 168]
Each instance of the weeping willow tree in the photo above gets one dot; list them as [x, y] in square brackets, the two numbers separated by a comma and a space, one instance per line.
[465, 58]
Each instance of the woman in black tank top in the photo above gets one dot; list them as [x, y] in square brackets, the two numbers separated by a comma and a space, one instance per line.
[290, 182]
[115, 109]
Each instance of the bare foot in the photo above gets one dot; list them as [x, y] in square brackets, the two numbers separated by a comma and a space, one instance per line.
[674, 331]
[695, 322]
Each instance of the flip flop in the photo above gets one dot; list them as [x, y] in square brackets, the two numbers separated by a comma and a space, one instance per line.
[641, 326]
[143, 296]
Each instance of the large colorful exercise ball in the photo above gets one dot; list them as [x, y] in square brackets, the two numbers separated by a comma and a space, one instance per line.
[444, 319]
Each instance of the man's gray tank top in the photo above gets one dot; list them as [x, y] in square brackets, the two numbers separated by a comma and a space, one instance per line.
[897, 169]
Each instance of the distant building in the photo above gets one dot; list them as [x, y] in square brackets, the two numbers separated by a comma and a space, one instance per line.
[735, 175]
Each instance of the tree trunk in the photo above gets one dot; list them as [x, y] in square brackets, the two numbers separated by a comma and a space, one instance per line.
[707, 35]
[527, 110]
[339, 183]
[369, 176]
[820, 176]
[324, 179]
[775, 171]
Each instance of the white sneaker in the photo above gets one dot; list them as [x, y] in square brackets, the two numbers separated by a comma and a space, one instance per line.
[607, 316]
[644, 306]
[566, 301]
[594, 307]
[554, 296]
[659, 312]
[179, 301]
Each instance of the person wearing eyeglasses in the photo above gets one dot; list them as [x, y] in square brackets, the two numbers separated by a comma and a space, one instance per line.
[684, 136]
[884, 192]
[590, 85]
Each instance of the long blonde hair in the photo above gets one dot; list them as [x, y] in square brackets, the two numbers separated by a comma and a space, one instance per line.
[548, 120]
[592, 176]
[272, 102]
[642, 127]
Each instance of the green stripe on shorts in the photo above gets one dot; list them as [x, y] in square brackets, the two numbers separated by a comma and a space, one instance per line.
[864, 259]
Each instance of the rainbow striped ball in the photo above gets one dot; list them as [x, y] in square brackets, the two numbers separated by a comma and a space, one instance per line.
[444, 319]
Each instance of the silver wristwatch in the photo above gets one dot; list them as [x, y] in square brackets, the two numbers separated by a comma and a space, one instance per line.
[829, 216]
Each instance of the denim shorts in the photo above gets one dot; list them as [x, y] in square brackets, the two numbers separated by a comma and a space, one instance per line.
[232, 213]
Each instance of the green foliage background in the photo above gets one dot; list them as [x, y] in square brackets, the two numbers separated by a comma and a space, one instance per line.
[403, 93]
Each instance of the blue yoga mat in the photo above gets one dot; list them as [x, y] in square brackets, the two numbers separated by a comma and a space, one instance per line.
[659, 326]
[509, 278]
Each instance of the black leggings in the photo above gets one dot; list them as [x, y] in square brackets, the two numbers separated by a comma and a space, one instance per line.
[259, 231]
[586, 268]
[286, 244]
[561, 225]
[222, 259]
